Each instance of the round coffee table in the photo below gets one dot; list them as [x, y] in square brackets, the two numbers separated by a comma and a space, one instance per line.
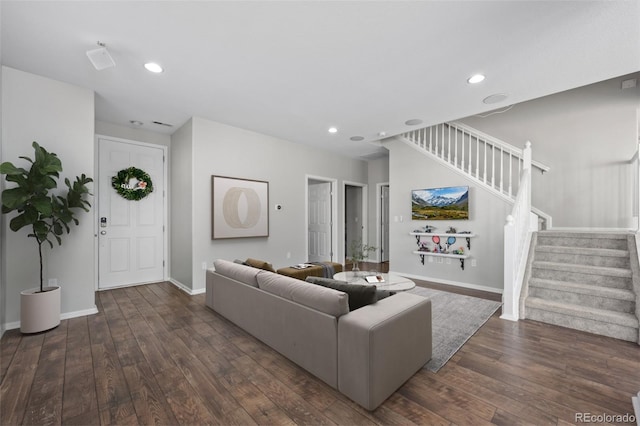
[392, 282]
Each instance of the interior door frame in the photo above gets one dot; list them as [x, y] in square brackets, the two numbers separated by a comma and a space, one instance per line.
[365, 214]
[379, 220]
[96, 198]
[334, 214]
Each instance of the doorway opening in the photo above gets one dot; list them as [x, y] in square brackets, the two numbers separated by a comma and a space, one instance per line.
[355, 215]
[382, 209]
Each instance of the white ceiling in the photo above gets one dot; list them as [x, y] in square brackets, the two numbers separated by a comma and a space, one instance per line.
[292, 69]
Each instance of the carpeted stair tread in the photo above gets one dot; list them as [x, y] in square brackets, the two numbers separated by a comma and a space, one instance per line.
[589, 240]
[578, 234]
[588, 289]
[583, 251]
[605, 316]
[584, 269]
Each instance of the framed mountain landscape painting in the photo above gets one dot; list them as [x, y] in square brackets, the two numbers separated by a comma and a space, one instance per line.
[450, 203]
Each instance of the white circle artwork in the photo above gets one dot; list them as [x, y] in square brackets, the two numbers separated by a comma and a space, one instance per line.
[241, 208]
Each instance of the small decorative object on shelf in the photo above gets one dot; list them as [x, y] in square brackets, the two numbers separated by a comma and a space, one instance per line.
[452, 230]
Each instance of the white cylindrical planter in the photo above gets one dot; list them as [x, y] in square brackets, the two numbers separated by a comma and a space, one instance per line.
[39, 311]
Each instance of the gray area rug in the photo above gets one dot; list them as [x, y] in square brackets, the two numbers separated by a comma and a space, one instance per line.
[455, 318]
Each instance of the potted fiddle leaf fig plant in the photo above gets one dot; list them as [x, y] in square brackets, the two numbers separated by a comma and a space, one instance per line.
[48, 214]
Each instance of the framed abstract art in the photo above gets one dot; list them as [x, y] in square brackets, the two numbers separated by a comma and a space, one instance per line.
[239, 208]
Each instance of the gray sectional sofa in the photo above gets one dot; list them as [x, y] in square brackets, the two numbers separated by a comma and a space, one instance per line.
[366, 354]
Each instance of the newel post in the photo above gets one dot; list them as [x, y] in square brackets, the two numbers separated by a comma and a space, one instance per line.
[637, 194]
[526, 168]
[509, 308]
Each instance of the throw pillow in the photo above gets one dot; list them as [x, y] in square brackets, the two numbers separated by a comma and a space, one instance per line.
[382, 294]
[359, 295]
[260, 264]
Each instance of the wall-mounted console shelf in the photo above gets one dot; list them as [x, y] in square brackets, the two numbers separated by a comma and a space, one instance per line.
[422, 254]
[440, 253]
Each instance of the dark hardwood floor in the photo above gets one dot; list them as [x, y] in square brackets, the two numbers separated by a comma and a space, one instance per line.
[154, 355]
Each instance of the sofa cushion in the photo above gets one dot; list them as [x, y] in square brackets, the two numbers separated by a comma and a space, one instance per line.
[359, 295]
[260, 264]
[242, 273]
[322, 299]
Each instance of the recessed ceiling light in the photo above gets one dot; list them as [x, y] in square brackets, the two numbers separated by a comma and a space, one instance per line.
[135, 122]
[357, 138]
[413, 122]
[153, 67]
[477, 78]
[333, 130]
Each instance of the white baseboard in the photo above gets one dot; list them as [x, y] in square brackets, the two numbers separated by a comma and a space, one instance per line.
[63, 316]
[189, 291]
[448, 282]
[509, 318]
[85, 312]
[11, 325]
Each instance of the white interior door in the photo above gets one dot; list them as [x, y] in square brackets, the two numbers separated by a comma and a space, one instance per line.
[320, 221]
[130, 233]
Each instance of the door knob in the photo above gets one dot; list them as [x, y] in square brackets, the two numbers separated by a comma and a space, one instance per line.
[103, 232]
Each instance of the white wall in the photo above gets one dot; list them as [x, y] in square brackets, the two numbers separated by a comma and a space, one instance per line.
[60, 117]
[138, 134]
[587, 136]
[224, 150]
[410, 170]
[181, 206]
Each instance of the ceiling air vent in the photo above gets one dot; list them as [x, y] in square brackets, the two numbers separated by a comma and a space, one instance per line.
[160, 123]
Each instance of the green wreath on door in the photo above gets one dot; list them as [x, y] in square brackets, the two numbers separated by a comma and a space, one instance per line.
[122, 183]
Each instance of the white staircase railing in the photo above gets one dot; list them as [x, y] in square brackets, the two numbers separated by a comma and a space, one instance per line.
[480, 157]
[486, 159]
[517, 238]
